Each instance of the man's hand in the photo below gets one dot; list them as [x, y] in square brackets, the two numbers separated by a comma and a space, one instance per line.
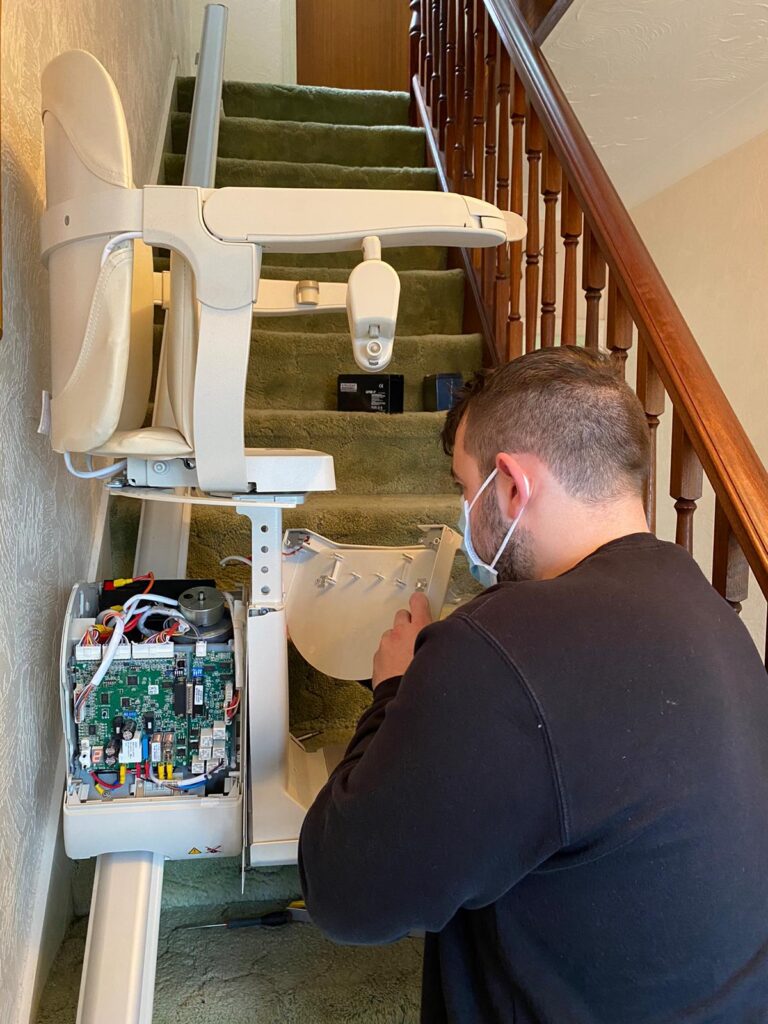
[395, 651]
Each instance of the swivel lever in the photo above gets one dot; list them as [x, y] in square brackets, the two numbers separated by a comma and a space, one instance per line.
[373, 295]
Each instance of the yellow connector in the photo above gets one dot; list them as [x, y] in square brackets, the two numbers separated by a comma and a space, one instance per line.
[121, 583]
[122, 774]
[161, 771]
[169, 771]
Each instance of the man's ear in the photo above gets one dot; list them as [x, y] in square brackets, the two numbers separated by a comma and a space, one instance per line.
[515, 482]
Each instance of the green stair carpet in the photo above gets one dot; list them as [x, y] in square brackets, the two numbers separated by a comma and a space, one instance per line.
[391, 474]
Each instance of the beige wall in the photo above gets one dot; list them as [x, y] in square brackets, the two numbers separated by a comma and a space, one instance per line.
[261, 39]
[709, 236]
[46, 517]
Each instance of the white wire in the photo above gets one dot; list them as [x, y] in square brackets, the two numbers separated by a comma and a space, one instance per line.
[160, 610]
[235, 558]
[120, 619]
[114, 242]
[94, 474]
[187, 783]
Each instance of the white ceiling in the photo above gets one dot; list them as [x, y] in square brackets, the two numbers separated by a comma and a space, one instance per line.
[663, 87]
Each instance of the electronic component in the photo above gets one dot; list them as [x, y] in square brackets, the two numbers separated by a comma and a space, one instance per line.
[155, 711]
[379, 392]
[180, 698]
[439, 391]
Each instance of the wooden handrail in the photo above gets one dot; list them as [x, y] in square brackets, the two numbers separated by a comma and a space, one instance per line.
[716, 436]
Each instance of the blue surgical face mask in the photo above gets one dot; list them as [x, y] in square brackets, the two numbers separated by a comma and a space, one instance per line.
[486, 575]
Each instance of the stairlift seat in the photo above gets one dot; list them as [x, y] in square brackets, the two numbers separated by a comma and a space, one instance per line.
[102, 309]
[102, 285]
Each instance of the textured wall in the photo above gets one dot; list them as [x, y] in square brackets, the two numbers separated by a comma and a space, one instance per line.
[46, 517]
[713, 255]
[261, 40]
[663, 87]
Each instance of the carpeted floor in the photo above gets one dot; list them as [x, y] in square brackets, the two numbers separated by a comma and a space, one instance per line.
[391, 476]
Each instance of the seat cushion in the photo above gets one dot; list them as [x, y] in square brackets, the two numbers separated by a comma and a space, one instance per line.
[147, 442]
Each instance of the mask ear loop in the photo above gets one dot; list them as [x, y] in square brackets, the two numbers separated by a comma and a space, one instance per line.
[485, 483]
[526, 496]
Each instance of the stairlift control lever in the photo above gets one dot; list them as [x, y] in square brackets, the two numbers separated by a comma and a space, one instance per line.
[373, 295]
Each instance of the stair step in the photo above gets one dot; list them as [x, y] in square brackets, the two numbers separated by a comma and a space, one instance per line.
[298, 265]
[305, 103]
[290, 370]
[352, 518]
[255, 975]
[202, 883]
[278, 174]
[307, 142]
[431, 302]
[373, 453]
[295, 370]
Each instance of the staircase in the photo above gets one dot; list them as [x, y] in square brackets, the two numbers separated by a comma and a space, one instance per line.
[391, 475]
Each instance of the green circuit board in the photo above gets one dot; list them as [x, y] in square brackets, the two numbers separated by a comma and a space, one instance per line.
[165, 711]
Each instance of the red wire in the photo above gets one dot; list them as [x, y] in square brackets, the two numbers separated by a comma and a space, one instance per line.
[100, 782]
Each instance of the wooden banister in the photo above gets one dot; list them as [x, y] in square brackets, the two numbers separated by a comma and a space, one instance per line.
[564, 169]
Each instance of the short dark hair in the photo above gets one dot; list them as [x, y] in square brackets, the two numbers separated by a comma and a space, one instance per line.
[570, 408]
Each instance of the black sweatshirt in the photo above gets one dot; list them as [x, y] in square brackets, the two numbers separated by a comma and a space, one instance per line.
[568, 789]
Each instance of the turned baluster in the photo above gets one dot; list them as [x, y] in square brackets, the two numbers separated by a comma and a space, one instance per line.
[490, 151]
[450, 88]
[517, 119]
[429, 59]
[423, 24]
[619, 326]
[501, 283]
[533, 145]
[593, 283]
[650, 391]
[469, 98]
[433, 85]
[570, 229]
[478, 113]
[685, 482]
[414, 38]
[442, 73]
[551, 182]
[730, 570]
[458, 145]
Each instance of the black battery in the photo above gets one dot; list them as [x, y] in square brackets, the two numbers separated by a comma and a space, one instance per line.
[439, 391]
[370, 392]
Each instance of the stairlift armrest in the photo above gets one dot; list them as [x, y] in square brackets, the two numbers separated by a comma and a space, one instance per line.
[337, 220]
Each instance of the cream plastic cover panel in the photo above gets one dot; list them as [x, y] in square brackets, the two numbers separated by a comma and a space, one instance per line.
[340, 598]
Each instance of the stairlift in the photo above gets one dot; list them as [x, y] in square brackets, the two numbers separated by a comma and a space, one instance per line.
[97, 233]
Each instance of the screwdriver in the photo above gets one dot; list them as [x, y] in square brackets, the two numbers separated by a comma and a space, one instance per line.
[273, 919]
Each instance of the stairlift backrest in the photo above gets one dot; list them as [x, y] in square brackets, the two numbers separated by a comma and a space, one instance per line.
[101, 317]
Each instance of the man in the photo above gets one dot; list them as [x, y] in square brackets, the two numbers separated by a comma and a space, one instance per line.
[566, 781]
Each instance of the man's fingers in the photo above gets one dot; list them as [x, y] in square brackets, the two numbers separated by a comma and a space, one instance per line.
[421, 613]
[403, 617]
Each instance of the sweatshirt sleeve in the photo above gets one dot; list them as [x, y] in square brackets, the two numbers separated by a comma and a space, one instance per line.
[444, 799]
